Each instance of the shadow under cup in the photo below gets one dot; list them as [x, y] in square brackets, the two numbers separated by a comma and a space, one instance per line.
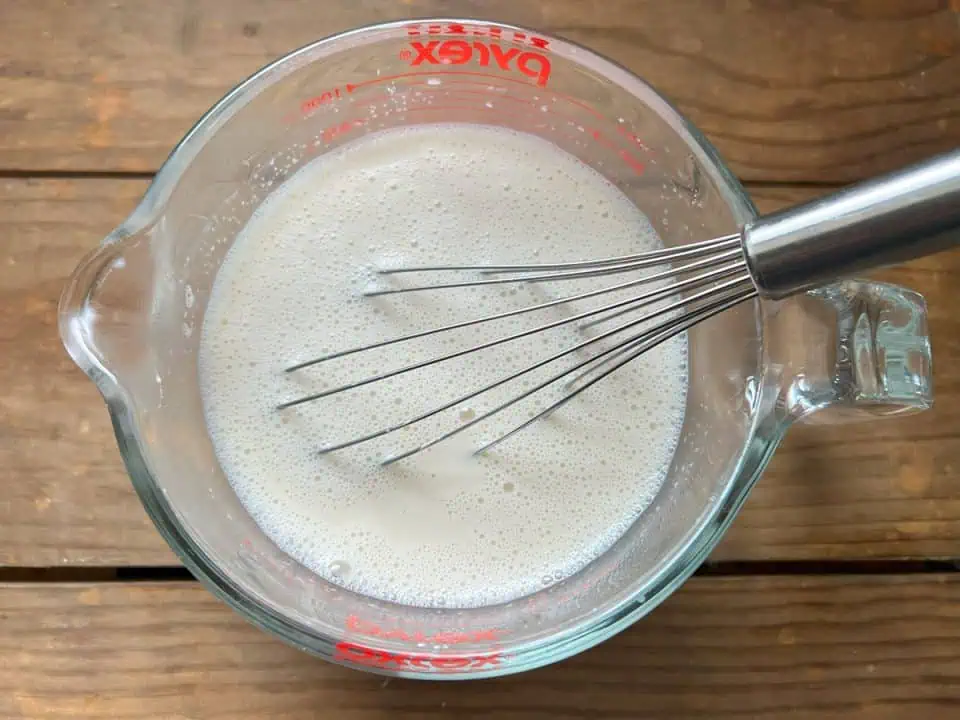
[308, 103]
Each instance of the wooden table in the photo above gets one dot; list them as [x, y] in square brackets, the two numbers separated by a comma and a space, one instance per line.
[836, 593]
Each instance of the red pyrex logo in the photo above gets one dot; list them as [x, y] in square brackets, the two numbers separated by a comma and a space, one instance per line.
[368, 657]
[460, 52]
[385, 660]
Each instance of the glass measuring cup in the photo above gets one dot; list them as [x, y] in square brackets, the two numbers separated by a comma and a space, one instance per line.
[132, 313]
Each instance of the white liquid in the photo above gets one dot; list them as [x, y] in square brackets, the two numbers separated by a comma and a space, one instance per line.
[440, 528]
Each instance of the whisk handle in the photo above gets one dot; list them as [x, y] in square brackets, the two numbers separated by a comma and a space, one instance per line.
[883, 221]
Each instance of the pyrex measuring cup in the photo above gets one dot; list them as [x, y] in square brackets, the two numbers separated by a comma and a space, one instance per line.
[131, 317]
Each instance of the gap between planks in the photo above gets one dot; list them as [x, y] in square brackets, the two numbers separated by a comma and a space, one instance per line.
[799, 568]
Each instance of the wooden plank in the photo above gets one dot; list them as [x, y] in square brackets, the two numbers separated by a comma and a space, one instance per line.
[67, 499]
[815, 91]
[886, 489]
[856, 648]
[878, 489]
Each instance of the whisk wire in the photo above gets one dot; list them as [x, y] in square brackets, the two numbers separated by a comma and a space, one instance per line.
[653, 338]
[644, 346]
[699, 281]
[655, 257]
[635, 302]
[551, 276]
[656, 277]
[625, 345]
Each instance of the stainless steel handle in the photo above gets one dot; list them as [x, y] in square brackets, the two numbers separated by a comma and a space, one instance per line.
[882, 221]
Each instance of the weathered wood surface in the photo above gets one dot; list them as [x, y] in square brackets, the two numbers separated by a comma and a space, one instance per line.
[788, 90]
[66, 499]
[886, 489]
[850, 648]
[811, 92]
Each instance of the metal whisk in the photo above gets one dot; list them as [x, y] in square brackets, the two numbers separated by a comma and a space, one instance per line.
[887, 220]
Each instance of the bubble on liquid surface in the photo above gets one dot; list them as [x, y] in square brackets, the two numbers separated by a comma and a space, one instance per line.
[339, 569]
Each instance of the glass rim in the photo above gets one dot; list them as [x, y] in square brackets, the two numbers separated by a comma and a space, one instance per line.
[682, 560]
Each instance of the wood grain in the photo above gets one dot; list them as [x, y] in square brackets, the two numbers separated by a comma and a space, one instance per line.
[66, 499]
[872, 490]
[886, 489]
[826, 91]
[856, 648]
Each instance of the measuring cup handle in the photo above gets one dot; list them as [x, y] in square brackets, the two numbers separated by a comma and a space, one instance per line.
[851, 351]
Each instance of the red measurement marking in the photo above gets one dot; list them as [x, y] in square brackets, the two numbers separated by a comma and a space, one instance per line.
[630, 136]
[489, 76]
[593, 132]
[356, 625]
[455, 94]
[491, 97]
[316, 101]
[501, 78]
[382, 659]
[415, 79]
[635, 164]
[334, 131]
[459, 52]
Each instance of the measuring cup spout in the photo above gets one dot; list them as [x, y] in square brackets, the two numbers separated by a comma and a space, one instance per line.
[104, 311]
